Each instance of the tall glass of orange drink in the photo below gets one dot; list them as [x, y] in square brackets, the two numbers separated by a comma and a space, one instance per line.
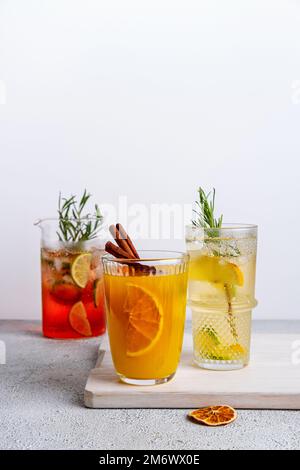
[145, 310]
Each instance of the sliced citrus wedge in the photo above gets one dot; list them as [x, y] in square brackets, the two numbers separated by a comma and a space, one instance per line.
[144, 320]
[208, 344]
[98, 291]
[214, 415]
[215, 269]
[80, 269]
[237, 351]
[79, 321]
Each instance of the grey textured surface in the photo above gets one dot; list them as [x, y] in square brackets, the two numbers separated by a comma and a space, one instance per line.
[41, 405]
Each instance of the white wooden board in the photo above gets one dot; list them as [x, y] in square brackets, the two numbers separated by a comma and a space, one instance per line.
[271, 381]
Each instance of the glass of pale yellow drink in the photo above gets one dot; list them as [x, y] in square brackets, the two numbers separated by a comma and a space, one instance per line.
[145, 312]
[221, 293]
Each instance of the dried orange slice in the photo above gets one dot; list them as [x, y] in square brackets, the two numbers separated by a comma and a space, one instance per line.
[79, 320]
[144, 320]
[214, 415]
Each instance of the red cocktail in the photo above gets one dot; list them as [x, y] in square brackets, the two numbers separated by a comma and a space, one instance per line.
[72, 278]
[72, 292]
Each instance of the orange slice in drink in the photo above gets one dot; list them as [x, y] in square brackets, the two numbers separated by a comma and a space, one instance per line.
[214, 415]
[79, 320]
[144, 320]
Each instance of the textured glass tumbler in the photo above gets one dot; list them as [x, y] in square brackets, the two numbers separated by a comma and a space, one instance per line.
[221, 294]
[145, 311]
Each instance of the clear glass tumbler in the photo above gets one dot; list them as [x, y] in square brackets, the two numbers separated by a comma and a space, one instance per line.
[221, 293]
[145, 310]
[72, 284]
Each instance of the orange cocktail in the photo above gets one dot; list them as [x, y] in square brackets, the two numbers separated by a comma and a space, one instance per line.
[145, 314]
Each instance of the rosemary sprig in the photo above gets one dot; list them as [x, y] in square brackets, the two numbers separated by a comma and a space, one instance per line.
[205, 218]
[206, 211]
[73, 225]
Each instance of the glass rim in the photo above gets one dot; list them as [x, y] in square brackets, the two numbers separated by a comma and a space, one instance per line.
[181, 256]
[71, 219]
[225, 226]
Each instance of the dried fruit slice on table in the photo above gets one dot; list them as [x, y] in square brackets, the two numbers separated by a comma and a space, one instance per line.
[79, 320]
[214, 415]
[144, 320]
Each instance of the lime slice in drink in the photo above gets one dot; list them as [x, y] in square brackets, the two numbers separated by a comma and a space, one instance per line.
[215, 269]
[80, 269]
[98, 291]
[206, 340]
[208, 344]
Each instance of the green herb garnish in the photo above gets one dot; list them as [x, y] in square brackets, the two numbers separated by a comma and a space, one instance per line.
[74, 225]
[206, 219]
[206, 211]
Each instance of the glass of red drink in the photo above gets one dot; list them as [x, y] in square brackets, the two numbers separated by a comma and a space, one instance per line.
[72, 283]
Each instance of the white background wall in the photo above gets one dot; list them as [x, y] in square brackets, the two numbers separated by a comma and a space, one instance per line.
[149, 99]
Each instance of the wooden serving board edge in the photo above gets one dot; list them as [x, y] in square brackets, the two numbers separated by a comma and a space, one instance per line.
[161, 400]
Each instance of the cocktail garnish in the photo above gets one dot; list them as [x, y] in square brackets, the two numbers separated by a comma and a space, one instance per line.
[125, 250]
[206, 219]
[74, 225]
[79, 321]
[98, 292]
[205, 211]
[80, 269]
[116, 251]
[145, 320]
[123, 240]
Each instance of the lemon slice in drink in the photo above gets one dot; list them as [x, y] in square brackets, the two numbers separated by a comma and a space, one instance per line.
[237, 351]
[145, 320]
[80, 269]
[215, 269]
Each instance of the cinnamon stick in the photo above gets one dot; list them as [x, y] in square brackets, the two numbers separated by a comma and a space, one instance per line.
[122, 242]
[115, 250]
[124, 236]
[125, 249]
